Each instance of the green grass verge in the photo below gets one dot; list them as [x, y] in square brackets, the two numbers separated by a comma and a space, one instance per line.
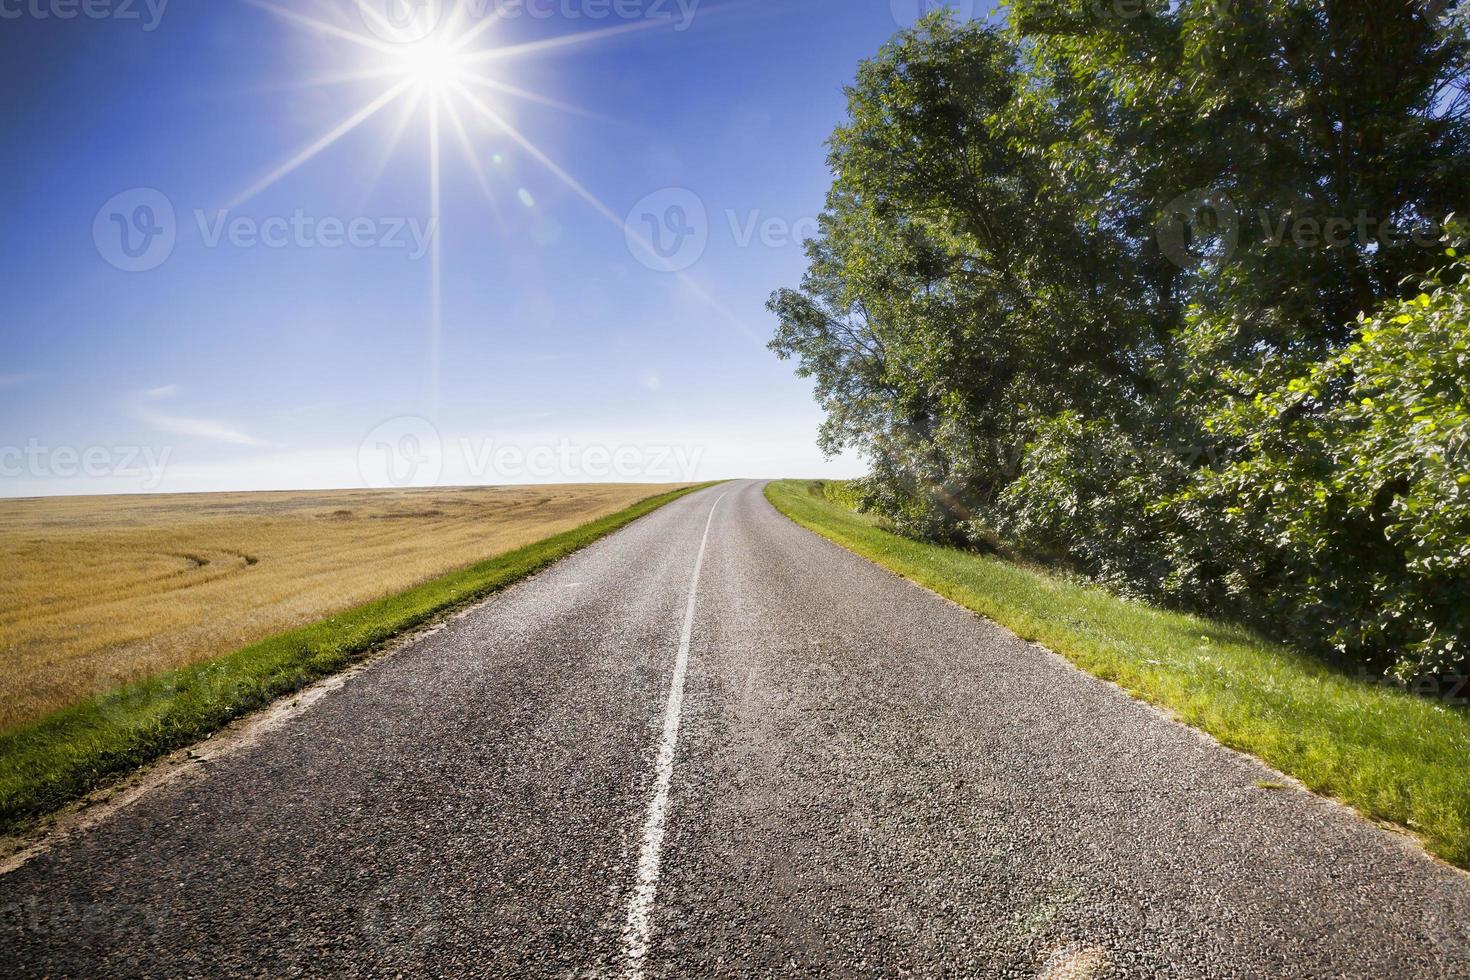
[63, 757]
[1393, 756]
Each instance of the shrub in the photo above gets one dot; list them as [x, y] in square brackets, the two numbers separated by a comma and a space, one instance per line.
[844, 493]
[1354, 486]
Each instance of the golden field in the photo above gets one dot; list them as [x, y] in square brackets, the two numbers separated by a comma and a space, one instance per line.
[100, 591]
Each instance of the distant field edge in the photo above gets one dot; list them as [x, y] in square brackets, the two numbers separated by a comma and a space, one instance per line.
[1394, 757]
[53, 762]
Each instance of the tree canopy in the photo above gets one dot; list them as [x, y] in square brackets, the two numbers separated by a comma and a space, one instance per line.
[1162, 288]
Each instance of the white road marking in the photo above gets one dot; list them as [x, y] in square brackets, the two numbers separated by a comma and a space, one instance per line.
[638, 931]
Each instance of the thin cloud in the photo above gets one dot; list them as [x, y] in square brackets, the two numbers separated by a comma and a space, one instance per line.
[182, 425]
[203, 428]
[14, 380]
[164, 391]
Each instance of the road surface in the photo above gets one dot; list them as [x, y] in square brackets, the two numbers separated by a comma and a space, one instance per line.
[715, 744]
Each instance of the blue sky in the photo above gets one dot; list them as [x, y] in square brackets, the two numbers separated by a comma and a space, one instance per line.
[280, 332]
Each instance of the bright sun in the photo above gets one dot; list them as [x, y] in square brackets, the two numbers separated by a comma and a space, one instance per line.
[432, 65]
[445, 78]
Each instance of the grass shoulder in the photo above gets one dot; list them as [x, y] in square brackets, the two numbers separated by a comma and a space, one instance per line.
[68, 754]
[1391, 755]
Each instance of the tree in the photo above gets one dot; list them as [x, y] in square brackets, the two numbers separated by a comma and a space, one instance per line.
[1061, 251]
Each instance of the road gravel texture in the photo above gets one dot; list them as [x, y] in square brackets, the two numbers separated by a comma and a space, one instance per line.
[868, 781]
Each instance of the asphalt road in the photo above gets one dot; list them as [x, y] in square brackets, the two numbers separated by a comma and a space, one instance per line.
[804, 766]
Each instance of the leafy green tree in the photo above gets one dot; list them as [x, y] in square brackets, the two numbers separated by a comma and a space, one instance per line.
[952, 294]
[1064, 255]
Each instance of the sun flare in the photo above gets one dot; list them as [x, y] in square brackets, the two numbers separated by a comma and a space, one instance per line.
[443, 74]
[432, 65]
[447, 70]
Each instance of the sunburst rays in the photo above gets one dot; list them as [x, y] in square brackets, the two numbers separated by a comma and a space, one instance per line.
[438, 74]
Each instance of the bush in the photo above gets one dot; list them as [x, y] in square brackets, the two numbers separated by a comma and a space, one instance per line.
[1354, 489]
[1084, 491]
[843, 493]
[1340, 515]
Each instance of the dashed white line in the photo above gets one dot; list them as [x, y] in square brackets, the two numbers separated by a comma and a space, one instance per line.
[638, 931]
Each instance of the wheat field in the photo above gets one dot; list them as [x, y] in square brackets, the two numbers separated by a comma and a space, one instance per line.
[101, 591]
